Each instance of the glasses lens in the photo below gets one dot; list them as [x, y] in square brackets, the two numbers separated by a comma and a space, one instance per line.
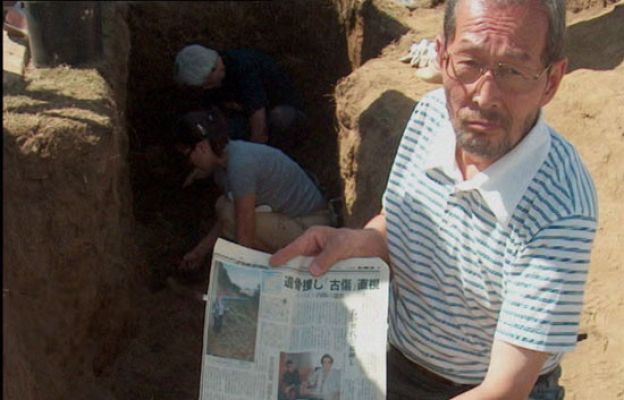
[464, 70]
[509, 79]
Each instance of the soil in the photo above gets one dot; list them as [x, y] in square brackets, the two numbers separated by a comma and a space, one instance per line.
[162, 320]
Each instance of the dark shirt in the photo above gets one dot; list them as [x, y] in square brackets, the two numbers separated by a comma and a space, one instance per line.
[292, 378]
[253, 80]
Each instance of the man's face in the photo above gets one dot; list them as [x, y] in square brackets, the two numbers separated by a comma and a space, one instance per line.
[490, 119]
[215, 78]
[327, 363]
[201, 156]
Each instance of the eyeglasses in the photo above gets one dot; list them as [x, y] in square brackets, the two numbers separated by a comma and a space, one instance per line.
[508, 78]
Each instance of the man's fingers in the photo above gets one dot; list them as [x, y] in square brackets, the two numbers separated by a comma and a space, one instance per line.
[189, 178]
[309, 244]
[324, 261]
[323, 242]
[296, 248]
[189, 261]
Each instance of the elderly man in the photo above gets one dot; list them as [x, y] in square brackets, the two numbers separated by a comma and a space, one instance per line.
[255, 92]
[488, 216]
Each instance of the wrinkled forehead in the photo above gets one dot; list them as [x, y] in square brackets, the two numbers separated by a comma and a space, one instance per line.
[518, 28]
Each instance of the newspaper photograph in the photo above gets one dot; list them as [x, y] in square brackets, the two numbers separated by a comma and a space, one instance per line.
[278, 333]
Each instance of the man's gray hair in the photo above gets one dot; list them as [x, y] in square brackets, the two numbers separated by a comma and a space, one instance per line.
[555, 11]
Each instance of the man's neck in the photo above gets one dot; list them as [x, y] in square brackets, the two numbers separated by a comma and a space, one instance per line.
[469, 164]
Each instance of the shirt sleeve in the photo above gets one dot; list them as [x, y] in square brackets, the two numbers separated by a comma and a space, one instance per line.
[543, 292]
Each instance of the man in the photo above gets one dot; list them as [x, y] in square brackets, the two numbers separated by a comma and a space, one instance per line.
[488, 216]
[324, 384]
[250, 87]
[291, 382]
[218, 313]
[268, 199]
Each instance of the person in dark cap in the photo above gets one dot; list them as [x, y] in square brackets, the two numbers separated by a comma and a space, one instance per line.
[249, 86]
[268, 199]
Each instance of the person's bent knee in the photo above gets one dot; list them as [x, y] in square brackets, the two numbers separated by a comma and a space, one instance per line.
[282, 118]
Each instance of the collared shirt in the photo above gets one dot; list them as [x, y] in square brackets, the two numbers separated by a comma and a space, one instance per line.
[503, 183]
[503, 255]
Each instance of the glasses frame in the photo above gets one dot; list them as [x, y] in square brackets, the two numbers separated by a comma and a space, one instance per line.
[494, 69]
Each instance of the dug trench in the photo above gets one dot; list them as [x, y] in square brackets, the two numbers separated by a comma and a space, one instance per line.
[95, 217]
[95, 214]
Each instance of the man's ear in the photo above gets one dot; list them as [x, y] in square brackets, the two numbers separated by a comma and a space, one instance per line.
[440, 49]
[555, 75]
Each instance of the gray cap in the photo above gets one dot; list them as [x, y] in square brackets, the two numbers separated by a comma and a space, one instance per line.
[193, 64]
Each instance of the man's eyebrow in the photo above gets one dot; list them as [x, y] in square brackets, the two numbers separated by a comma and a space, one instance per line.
[514, 54]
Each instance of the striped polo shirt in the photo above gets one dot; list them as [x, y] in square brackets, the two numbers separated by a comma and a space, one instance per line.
[503, 255]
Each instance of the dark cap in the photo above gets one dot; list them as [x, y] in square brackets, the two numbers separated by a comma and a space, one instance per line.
[209, 124]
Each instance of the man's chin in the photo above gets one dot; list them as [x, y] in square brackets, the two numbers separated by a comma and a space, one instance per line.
[478, 144]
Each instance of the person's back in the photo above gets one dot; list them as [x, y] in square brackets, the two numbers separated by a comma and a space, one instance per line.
[276, 180]
[254, 80]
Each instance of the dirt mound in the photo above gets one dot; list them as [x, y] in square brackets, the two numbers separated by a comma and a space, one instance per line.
[67, 308]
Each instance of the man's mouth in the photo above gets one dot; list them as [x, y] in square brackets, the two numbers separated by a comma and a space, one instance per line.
[482, 125]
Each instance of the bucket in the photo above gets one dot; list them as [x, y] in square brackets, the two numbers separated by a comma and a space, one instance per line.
[64, 32]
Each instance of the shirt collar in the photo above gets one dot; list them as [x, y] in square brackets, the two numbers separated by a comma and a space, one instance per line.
[503, 183]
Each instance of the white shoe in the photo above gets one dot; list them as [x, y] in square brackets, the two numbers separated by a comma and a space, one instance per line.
[429, 55]
[430, 73]
[415, 53]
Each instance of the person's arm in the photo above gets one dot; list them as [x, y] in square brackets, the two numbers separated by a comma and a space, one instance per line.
[195, 257]
[245, 210]
[330, 245]
[259, 126]
[511, 375]
[245, 217]
[194, 175]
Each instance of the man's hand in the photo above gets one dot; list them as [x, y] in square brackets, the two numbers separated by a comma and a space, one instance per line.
[232, 105]
[193, 259]
[195, 174]
[259, 126]
[330, 245]
[259, 137]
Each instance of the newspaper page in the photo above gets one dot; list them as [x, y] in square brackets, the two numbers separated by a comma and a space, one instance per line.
[282, 334]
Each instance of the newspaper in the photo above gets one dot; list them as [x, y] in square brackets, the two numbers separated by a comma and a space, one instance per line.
[280, 333]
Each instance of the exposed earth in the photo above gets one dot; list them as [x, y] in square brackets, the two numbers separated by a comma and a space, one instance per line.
[160, 322]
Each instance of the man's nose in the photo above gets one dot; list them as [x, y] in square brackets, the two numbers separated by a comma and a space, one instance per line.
[486, 92]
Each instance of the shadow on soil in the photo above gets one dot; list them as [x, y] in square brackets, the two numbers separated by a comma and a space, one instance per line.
[598, 43]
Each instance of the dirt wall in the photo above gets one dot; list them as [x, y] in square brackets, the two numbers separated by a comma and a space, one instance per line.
[373, 105]
[69, 271]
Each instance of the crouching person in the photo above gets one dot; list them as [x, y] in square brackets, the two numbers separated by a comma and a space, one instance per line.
[268, 198]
